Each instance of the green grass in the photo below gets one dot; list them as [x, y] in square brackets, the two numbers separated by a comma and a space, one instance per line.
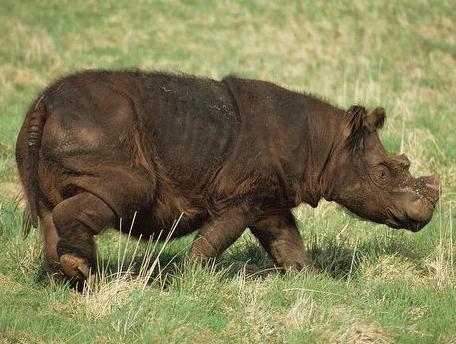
[375, 285]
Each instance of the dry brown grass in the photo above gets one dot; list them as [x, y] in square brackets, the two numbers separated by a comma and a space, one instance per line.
[361, 333]
[11, 190]
[9, 283]
[301, 315]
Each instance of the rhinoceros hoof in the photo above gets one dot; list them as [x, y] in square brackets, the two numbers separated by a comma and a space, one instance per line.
[75, 267]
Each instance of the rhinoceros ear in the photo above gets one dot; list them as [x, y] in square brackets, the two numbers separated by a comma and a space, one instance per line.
[357, 115]
[376, 118]
[356, 120]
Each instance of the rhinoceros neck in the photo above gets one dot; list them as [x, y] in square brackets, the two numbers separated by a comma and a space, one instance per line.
[287, 134]
[320, 126]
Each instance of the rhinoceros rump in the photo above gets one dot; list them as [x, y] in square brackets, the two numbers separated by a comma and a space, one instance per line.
[98, 146]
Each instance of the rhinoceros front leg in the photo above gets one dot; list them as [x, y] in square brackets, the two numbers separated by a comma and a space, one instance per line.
[218, 234]
[280, 237]
[76, 220]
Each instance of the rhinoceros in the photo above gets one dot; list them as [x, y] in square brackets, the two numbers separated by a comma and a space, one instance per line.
[100, 146]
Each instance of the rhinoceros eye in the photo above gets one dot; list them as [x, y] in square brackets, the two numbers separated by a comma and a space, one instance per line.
[382, 174]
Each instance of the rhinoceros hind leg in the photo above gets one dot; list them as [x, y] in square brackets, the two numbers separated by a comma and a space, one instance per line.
[77, 219]
[280, 237]
[50, 237]
[218, 234]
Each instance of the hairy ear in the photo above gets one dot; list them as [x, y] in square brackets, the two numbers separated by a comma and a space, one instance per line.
[376, 118]
[356, 125]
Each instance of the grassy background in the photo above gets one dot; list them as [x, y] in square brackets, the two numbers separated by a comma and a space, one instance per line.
[376, 284]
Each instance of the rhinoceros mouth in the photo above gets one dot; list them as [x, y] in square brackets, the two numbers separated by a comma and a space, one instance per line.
[403, 221]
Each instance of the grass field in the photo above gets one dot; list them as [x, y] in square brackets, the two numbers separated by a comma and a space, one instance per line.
[376, 285]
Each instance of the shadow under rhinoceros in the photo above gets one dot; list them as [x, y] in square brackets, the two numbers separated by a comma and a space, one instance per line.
[343, 261]
[332, 258]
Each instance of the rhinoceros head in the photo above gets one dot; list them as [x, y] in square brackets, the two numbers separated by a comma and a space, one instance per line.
[378, 186]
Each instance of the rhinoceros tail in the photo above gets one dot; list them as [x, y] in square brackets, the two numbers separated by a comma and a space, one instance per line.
[34, 133]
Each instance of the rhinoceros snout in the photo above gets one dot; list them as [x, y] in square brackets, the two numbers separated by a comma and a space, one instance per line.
[432, 186]
[418, 209]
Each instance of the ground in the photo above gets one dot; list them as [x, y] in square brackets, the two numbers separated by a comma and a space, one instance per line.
[375, 284]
